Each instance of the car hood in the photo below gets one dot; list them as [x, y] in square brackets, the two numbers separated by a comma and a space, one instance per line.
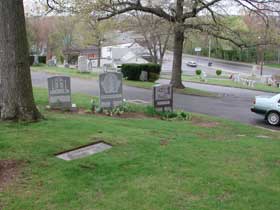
[264, 96]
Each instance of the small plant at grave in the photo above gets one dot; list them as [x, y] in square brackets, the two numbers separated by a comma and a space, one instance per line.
[198, 72]
[93, 105]
[218, 72]
[125, 107]
[168, 115]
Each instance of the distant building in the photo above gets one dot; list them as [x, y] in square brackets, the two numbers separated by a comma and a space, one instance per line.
[124, 53]
[91, 52]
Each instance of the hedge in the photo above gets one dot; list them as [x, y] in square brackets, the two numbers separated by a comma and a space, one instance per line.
[31, 60]
[133, 71]
[42, 59]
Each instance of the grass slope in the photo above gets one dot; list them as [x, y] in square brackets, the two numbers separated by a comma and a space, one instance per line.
[196, 168]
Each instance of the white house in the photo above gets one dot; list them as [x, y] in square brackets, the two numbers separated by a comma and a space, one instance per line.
[123, 53]
[131, 57]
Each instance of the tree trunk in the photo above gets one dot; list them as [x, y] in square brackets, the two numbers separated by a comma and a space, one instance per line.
[176, 79]
[99, 54]
[16, 98]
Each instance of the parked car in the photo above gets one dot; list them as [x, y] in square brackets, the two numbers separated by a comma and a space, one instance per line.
[191, 64]
[269, 107]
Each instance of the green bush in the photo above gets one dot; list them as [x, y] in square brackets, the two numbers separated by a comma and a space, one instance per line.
[153, 77]
[43, 59]
[168, 115]
[31, 60]
[133, 71]
[198, 72]
[218, 72]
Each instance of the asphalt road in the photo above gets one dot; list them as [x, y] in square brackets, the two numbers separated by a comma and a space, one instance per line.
[202, 62]
[234, 103]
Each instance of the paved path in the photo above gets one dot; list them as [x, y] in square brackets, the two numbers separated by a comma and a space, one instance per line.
[234, 106]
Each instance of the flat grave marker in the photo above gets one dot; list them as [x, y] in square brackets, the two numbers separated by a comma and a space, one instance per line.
[84, 151]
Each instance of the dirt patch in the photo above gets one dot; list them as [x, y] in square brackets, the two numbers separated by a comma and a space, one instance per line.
[202, 123]
[164, 142]
[9, 171]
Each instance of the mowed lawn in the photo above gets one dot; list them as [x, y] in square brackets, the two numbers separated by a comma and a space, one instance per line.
[201, 164]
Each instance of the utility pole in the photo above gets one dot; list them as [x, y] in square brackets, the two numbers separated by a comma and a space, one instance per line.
[209, 53]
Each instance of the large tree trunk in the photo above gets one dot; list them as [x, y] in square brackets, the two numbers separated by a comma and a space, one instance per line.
[176, 79]
[16, 96]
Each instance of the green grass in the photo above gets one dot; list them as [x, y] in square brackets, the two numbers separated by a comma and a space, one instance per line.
[273, 65]
[139, 84]
[197, 168]
[228, 83]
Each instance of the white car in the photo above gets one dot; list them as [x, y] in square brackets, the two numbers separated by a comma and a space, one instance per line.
[192, 64]
[269, 107]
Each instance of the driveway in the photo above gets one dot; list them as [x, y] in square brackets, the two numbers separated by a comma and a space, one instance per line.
[234, 104]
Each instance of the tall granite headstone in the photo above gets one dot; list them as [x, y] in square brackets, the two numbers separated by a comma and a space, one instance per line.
[111, 90]
[59, 92]
[82, 64]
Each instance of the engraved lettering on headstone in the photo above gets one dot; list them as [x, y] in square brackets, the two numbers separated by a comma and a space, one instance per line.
[59, 92]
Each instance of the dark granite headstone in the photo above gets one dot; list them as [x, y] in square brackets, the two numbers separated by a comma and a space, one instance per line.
[163, 96]
[59, 92]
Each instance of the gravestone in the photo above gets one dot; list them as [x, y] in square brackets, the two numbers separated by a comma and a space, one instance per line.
[163, 96]
[36, 60]
[111, 90]
[254, 70]
[144, 76]
[66, 64]
[236, 78]
[203, 76]
[82, 64]
[59, 92]
[89, 65]
[51, 63]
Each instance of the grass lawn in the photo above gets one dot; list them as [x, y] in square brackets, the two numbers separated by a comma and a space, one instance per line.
[139, 84]
[228, 83]
[273, 65]
[206, 163]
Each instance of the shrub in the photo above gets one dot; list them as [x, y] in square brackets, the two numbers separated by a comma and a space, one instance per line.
[218, 72]
[43, 59]
[133, 71]
[153, 77]
[198, 72]
[31, 60]
[168, 115]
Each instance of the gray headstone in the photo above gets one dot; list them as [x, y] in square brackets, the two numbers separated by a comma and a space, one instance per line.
[51, 62]
[144, 76]
[59, 92]
[82, 64]
[163, 96]
[36, 60]
[89, 65]
[111, 90]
